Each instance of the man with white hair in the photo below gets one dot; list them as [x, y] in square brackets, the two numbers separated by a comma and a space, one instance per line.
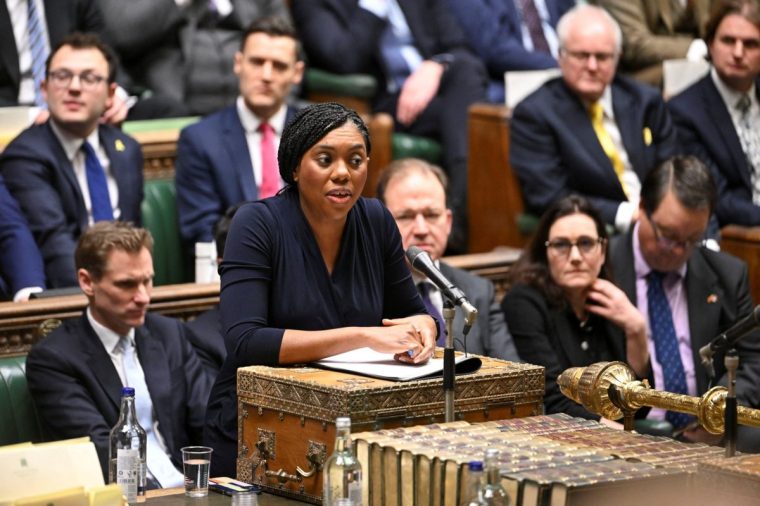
[590, 131]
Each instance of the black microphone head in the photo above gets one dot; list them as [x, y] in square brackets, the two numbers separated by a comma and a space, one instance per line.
[412, 253]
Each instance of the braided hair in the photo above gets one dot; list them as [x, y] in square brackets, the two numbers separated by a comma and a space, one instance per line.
[309, 126]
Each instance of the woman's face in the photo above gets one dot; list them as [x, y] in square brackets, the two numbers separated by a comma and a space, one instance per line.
[575, 267]
[332, 174]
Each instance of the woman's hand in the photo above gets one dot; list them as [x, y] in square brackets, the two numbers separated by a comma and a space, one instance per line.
[611, 303]
[412, 339]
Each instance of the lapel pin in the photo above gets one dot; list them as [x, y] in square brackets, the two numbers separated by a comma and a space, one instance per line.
[647, 133]
[119, 145]
[712, 298]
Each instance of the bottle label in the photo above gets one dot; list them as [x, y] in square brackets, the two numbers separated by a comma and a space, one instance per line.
[128, 472]
[355, 492]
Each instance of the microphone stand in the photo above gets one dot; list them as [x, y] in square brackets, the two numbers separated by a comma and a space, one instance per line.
[731, 416]
[449, 371]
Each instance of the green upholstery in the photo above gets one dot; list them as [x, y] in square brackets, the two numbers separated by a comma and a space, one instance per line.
[156, 125]
[413, 146]
[364, 87]
[18, 416]
[159, 215]
[351, 85]
[654, 427]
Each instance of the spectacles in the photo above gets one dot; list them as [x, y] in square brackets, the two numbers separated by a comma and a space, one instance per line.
[62, 78]
[668, 242]
[585, 244]
[584, 56]
[431, 216]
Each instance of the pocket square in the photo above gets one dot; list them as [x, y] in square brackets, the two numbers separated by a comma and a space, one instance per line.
[647, 133]
[712, 298]
[119, 145]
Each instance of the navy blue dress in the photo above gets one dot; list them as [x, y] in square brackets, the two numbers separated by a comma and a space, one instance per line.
[274, 278]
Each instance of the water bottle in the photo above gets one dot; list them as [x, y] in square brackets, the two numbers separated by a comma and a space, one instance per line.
[473, 494]
[126, 452]
[342, 471]
[493, 492]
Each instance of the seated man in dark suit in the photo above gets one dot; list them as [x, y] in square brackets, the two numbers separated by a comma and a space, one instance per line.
[427, 76]
[76, 374]
[73, 171]
[687, 293]
[231, 156]
[511, 35]
[207, 337]
[414, 191]
[21, 269]
[718, 117]
[590, 132]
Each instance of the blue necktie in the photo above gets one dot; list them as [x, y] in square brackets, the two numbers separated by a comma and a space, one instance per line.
[38, 48]
[424, 289]
[158, 462]
[666, 344]
[96, 183]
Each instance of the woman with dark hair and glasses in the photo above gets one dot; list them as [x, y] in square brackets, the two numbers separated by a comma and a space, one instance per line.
[314, 271]
[562, 310]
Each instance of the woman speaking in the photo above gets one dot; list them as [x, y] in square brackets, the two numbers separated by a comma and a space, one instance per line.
[314, 271]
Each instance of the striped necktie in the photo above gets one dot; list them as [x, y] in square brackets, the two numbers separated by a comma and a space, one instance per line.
[750, 142]
[424, 289]
[596, 112]
[158, 462]
[39, 50]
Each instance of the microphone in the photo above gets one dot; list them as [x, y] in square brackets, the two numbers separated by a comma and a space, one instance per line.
[421, 261]
[728, 338]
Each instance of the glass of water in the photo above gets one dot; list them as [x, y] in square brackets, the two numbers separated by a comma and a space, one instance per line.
[196, 461]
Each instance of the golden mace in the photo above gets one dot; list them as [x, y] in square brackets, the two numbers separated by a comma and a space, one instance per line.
[610, 389]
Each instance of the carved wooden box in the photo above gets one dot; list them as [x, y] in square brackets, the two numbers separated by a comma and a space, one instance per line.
[286, 416]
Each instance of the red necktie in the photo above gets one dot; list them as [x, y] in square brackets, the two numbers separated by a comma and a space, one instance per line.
[270, 173]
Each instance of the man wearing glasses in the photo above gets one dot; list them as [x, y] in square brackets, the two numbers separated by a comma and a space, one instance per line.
[687, 293]
[589, 131]
[73, 171]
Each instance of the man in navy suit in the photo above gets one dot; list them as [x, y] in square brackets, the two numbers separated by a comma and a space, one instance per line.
[415, 193]
[706, 291]
[710, 118]
[556, 148]
[511, 34]
[56, 168]
[427, 76]
[21, 269]
[76, 374]
[222, 160]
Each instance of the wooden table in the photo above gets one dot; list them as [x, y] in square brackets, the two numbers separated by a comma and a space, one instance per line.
[176, 497]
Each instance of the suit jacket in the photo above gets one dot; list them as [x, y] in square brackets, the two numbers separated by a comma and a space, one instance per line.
[40, 176]
[183, 53]
[717, 291]
[555, 151]
[62, 18]
[20, 261]
[341, 37]
[489, 335]
[77, 390]
[494, 30]
[651, 33]
[706, 130]
[548, 336]
[205, 334]
[213, 172]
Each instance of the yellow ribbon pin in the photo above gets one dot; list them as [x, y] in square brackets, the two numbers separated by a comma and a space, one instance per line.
[119, 145]
[647, 136]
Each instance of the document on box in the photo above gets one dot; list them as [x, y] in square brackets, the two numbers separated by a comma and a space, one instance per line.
[368, 362]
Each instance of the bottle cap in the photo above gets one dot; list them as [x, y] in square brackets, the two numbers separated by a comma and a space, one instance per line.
[343, 422]
[475, 465]
[127, 392]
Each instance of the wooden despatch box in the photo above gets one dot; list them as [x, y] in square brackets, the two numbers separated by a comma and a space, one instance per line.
[286, 416]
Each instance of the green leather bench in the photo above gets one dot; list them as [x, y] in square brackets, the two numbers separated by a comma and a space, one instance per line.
[159, 215]
[18, 416]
